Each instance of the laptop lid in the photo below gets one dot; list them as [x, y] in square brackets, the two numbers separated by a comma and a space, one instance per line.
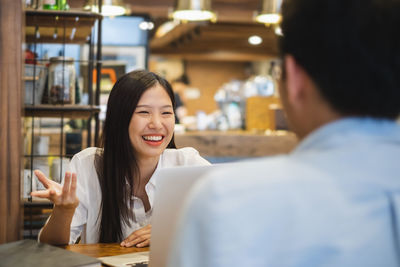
[173, 186]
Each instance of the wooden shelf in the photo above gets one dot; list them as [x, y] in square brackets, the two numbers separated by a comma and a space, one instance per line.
[38, 202]
[68, 111]
[48, 26]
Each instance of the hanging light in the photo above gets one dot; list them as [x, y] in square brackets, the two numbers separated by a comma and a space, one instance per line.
[193, 10]
[270, 12]
[255, 40]
[110, 8]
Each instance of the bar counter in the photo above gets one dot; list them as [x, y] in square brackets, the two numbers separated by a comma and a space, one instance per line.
[238, 144]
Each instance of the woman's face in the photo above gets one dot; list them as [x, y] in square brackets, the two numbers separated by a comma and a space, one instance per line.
[152, 123]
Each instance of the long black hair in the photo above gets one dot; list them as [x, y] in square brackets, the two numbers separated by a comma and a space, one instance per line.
[116, 163]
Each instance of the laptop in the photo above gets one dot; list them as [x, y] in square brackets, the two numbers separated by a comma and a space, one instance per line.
[172, 188]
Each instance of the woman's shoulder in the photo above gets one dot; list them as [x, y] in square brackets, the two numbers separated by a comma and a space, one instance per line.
[181, 151]
[88, 153]
[183, 156]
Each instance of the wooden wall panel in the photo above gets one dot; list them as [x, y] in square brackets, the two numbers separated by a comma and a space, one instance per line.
[11, 32]
[209, 76]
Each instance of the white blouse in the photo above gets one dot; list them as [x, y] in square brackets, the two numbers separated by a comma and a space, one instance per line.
[86, 220]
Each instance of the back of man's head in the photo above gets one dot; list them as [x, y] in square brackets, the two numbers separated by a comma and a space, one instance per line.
[351, 50]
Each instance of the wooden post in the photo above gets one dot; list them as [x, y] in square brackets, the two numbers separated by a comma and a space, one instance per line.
[11, 38]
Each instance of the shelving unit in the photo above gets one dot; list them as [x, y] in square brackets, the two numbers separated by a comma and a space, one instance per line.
[68, 111]
[64, 28]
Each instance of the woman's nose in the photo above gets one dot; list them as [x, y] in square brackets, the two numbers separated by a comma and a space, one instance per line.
[155, 121]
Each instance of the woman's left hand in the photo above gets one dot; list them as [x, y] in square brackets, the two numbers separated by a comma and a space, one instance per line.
[140, 238]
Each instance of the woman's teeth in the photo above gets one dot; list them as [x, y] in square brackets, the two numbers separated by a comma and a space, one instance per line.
[152, 138]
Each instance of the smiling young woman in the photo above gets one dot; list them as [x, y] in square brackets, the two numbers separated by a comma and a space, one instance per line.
[107, 196]
[152, 125]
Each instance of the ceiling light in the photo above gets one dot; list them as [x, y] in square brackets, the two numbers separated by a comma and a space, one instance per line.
[255, 40]
[278, 31]
[110, 8]
[193, 10]
[146, 25]
[270, 12]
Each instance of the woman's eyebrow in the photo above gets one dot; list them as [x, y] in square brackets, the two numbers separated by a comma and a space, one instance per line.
[150, 106]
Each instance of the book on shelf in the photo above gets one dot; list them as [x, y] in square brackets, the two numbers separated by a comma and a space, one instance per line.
[31, 253]
[36, 217]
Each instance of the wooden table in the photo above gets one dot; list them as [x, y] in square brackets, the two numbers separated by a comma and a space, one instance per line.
[102, 250]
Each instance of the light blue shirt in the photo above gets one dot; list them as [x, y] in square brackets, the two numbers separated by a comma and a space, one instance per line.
[334, 201]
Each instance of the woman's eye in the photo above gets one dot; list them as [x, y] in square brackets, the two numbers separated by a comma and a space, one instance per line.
[167, 113]
[143, 112]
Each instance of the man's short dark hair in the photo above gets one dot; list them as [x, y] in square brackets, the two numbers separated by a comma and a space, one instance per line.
[351, 50]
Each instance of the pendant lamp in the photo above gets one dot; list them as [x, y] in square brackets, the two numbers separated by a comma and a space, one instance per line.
[109, 8]
[270, 10]
[193, 10]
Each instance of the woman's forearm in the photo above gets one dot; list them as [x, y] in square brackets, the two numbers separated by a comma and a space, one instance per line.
[57, 230]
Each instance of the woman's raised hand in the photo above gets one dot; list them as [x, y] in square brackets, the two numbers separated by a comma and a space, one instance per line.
[62, 196]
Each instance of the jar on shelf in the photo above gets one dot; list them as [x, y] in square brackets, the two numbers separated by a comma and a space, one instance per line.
[61, 80]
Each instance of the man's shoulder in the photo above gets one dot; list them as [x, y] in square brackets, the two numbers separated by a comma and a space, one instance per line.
[269, 176]
[269, 170]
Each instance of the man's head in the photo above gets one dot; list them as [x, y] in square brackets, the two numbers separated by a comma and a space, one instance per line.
[350, 52]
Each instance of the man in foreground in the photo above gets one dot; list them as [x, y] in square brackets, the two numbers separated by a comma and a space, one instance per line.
[335, 200]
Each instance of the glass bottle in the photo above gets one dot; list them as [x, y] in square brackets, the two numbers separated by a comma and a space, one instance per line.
[62, 5]
[50, 4]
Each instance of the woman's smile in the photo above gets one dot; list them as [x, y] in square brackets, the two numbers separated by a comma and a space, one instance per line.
[153, 140]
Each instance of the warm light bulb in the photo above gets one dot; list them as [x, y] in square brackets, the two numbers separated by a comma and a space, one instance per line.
[268, 18]
[109, 10]
[255, 40]
[193, 15]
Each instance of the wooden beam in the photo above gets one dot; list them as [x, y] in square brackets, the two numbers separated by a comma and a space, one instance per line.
[227, 56]
[11, 36]
[208, 38]
[173, 35]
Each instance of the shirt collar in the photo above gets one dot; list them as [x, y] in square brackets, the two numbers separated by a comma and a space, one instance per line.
[349, 130]
[152, 180]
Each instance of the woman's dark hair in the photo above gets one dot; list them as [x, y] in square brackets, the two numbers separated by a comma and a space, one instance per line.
[116, 164]
[351, 50]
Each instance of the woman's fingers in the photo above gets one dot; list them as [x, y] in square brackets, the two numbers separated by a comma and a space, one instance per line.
[138, 241]
[50, 194]
[43, 179]
[67, 183]
[42, 194]
[62, 196]
[68, 197]
[73, 185]
[144, 243]
[140, 238]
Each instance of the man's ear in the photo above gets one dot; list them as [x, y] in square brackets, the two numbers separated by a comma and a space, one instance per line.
[296, 81]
